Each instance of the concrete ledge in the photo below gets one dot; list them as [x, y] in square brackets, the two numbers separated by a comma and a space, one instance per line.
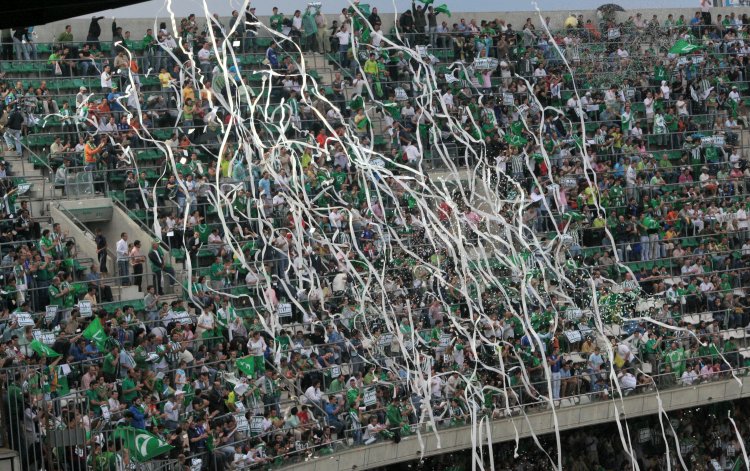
[540, 422]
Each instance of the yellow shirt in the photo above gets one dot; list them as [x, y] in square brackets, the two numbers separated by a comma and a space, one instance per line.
[188, 93]
[165, 78]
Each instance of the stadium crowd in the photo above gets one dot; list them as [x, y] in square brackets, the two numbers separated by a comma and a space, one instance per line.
[270, 351]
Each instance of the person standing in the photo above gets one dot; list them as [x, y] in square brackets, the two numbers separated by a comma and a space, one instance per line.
[95, 30]
[322, 35]
[136, 261]
[101, 250]
[13, 131]
[158, 266]
[123, 265]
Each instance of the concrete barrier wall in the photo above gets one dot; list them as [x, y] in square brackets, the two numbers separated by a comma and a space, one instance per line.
[542, 422]
[84, 241]
[138, 26]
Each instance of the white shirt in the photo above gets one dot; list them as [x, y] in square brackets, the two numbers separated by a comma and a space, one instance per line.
[343, 37]
[741, 217]
[339, 282]
[122, 250]
[412, 153]
[649, 104]
[628, 381]
[313, 394]
[689, 377]
[256, 349]
[335, 219]
[297, 22]
[106, 80]
[204, 56]
[448, 99]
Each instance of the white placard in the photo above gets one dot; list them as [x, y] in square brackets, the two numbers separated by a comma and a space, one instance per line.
[573, 314]
[644, 435]
[573, 336]
[370, 397]
[105, 413]
[385, 340]
[584, 329]
[284, 310]
[613, 33]
[508, 99]
[51, 313]
[569, 182]
[485, 63]
[445, 340]
[242, 424]
[182, 317]
[24, 319]
[256, 424]
[47, 338]
[450, 78]
[335, 371]
[299, 445]
[85, 309]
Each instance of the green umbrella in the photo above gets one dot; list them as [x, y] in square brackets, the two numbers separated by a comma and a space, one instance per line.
[683, 47]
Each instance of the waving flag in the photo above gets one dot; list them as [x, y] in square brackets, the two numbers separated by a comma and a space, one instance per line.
[142, 445]
[246, 365]
[95, 333]
[515, 140]
[442, 9]
[42, 350]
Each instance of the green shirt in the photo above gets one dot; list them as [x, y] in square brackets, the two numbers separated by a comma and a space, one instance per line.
[277, 21]
[128, 383]
[53, 299]
[203, 231]
[217, 271]
[110, 364]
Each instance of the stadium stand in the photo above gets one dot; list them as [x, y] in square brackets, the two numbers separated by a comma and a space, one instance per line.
[223, 360]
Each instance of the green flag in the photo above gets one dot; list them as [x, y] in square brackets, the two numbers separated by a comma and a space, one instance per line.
[142, 445]
[442, 9]
[517, 128]
[427, 2]
[246, 365]
[366, 35]
[42, 350]
[683, 47]
[95, 333]
[515, 140]
[573, 216]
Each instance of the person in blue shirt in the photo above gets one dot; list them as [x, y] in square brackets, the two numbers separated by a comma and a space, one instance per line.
[91, 350]
[264, 185]
[114, 105]
[273, 58]
[78, 350]
[555, 364]
[138, 418]
[333, 409]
